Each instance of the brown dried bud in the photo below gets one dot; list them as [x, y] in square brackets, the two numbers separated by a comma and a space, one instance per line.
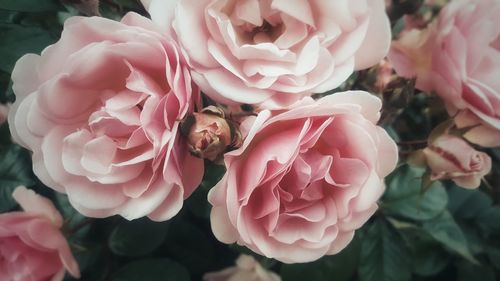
[209, 134]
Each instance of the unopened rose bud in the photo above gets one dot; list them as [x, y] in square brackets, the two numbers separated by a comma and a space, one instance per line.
[209, 133]
[451, 157]
[384, 75]
[4, 111]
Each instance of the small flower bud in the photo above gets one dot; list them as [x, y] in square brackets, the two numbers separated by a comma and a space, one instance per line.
[4, 111]
[209, 134]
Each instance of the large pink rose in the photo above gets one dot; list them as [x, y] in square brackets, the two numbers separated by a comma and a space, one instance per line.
[100, 110]
[31, 245]
[273, 51]
[304, 179]
[458, 56]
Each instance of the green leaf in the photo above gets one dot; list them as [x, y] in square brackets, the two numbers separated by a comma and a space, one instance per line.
[468, 272]
[15, 170]
[445, 230]
[384, 255]
[476, 207]
[71, 216]
[494, 256]
[30, 5]
[489, 221]
[404, 197]
[190, 245]
[152, 270]
[18, 40]
[466, 203]
[427, 256]
[137, 238]
[342, 265]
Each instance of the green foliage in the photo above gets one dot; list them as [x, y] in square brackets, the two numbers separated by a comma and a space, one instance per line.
[18, 40]
[152, 270]
[15, 170]
[30, 6]
[137, 238]
[444, 229]
[404, 195]
[384, 255]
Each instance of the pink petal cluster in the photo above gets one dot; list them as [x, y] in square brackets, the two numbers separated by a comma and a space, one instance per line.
[305, 179]
[246, 269]
[458, 57]
[450, 157]
[32, 246]
[100, 110]
[273, 52]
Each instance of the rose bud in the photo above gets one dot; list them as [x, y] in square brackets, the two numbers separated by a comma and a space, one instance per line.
[384, 75]
[4, 111]
[451, 157]
[209, 133]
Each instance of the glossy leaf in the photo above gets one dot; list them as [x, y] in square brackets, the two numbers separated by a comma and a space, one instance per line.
[404, 196]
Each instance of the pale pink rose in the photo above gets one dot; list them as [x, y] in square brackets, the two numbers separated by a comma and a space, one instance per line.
[32, 246]
[100, 110]
[4, 111]
[246, 269]
[458, 57]
[451, 157]
[273, 52]
[304, 179]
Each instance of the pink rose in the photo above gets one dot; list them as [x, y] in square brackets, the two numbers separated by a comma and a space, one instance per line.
[458, 57]
[272, 52]
[4, 111]
[246, 269]
[100, 110]
[32, 246]
[304, 179]
[450, 157]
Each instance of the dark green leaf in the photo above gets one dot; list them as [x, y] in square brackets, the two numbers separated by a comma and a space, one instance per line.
[494, 255]
[445, 230]
[343, 266]
[137, 238]
[404, 196]
[384, 255]
[190, 246]
[15, 170]
[152, 270]
[489, 220]
[29, 5]
[466, 203]
[18, 40]
[71, 216]
[468, 272]
[428, 257]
